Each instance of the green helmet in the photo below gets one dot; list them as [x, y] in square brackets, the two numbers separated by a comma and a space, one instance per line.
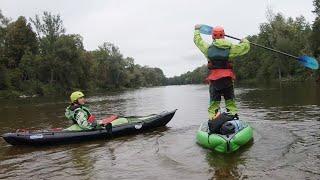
[76, 95]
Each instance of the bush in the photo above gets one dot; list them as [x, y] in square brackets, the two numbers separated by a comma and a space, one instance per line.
[4, 78]
[31, 87]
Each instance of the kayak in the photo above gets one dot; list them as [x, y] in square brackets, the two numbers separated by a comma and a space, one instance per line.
[119, 127]
[225, 143]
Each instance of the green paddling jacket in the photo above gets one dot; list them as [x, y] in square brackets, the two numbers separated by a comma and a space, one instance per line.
[233, 50]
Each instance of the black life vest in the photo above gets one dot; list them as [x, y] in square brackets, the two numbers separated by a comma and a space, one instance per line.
[75, 108]
[219, 57]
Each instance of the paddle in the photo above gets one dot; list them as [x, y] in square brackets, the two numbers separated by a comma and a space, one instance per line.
[306, 61]
[108, 120]
[106, 123]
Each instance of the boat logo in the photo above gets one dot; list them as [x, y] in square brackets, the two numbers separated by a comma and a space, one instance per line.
[36, 136]
[138, 126]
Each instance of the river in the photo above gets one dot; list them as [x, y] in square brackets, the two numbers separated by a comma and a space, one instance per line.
[285, 118]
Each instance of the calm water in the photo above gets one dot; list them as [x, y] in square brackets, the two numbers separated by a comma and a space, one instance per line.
[286, 122]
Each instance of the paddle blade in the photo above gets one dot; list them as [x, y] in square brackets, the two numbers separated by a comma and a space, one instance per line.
[309, 62]
[205, 29]
[109, 119]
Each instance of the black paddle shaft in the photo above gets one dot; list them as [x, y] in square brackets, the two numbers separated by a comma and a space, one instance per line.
[264, 47]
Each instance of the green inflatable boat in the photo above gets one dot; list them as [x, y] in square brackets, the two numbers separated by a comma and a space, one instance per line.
[225, 143]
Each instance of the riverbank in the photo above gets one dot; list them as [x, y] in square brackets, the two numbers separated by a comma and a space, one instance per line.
[13, 94]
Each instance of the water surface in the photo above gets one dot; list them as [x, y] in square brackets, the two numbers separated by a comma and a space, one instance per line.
[286, 122]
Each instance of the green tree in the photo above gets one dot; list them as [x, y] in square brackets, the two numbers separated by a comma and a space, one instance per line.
[288, 35]
[4, 21]
[153, 76]
[196, 76]
[50, 61]
[111, 67]
[19, 39]
[316, 4]
[315, 36]
[49, 28]
[4, 78]
[3, 29]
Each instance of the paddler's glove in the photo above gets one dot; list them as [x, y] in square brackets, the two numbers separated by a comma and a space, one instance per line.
[197, 27]
[94, 124]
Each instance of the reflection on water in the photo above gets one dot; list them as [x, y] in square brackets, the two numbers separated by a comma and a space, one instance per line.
[228, 166]
[286, 122]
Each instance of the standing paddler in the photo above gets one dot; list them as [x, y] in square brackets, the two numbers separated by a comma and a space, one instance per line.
[219, 55]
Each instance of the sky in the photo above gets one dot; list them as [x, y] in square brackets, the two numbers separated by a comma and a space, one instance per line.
[157, 33]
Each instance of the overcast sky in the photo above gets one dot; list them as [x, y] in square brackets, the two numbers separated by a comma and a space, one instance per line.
[157, 33]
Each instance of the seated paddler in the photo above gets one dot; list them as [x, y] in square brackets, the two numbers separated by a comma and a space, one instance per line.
[79, 113]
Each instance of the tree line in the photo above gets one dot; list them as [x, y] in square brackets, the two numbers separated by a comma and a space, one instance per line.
[38, 57]
[294, 36]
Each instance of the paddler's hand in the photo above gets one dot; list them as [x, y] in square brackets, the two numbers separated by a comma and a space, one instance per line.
[197, 27]
[100, 123]
[214, 116]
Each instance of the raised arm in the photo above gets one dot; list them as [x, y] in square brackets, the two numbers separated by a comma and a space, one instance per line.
[200, 43]
[239, 49]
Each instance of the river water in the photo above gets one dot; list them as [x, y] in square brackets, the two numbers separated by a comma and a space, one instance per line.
[286, 122]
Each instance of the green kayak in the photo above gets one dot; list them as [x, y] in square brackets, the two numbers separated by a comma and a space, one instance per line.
[225, 143]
